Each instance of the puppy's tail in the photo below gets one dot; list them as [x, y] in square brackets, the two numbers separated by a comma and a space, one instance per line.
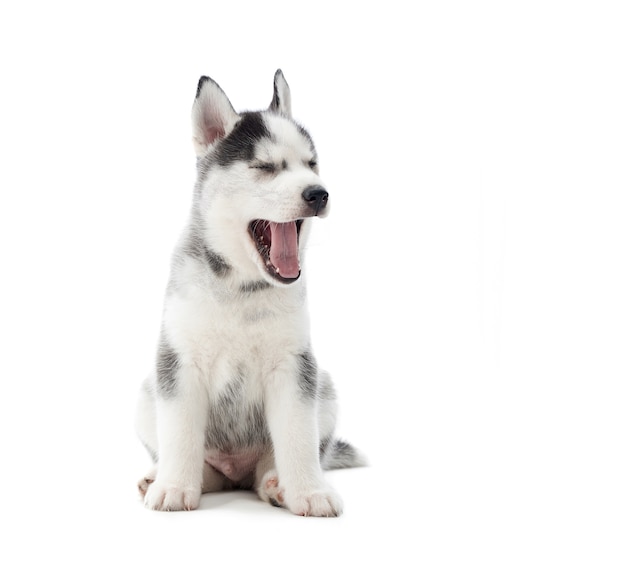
[336, 454]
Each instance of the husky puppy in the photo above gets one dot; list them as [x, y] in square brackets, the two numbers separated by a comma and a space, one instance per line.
[236, 399]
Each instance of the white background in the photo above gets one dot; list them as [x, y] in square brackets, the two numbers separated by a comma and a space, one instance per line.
[468, 291]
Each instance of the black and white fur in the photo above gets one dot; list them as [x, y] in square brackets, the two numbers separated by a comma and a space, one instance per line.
[236, 399]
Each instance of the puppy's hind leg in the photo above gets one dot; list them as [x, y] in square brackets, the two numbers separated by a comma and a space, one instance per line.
[145, 425]
[212, 480]
[266, 484]
[145, 482]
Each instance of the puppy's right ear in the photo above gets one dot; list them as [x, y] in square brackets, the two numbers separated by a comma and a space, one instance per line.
[212, 115]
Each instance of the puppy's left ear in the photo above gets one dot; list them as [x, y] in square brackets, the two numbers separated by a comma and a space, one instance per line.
[281, 102]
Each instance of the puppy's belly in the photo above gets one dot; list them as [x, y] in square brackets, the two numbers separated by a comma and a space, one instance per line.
[234, 465]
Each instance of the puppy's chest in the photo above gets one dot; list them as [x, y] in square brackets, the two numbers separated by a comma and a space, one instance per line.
[249, 331]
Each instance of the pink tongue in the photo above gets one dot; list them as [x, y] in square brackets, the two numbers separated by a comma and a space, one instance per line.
[284, 249]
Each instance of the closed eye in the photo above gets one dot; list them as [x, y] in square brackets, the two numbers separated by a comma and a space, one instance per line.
[263, 166]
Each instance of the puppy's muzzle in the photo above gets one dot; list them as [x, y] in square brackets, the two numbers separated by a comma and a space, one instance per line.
[316, 197]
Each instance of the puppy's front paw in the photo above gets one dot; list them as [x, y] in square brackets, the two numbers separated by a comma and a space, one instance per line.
[318, 503]
[161, 496]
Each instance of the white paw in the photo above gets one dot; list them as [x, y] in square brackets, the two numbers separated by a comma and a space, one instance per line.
[318, 503]
[270, 490]
[161, 496]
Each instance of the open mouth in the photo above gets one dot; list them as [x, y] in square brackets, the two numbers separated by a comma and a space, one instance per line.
[277, 244]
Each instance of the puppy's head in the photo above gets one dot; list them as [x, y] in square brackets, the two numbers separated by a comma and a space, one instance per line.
[258, 181]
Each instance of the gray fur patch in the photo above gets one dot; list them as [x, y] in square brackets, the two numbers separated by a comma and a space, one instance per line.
[250, 287]
[336, 454]
[233, 422]
[167, 366]
[217, 263]
[195, 246]
[307, 374]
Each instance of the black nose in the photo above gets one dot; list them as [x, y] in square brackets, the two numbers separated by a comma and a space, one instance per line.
[316, 197]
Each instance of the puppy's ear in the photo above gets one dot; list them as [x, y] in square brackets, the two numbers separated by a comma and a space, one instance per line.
[281, 102]
[212, 115]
